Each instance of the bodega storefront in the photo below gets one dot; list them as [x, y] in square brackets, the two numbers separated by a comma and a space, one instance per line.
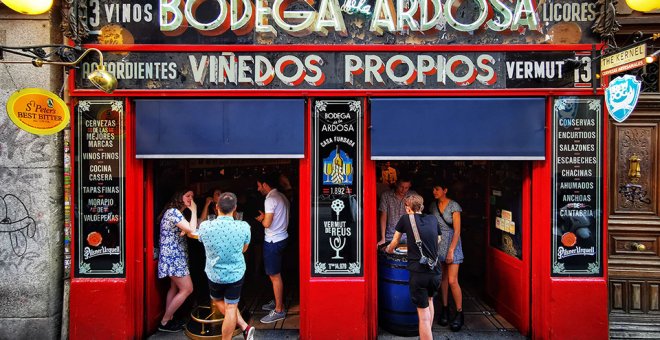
[214, 92]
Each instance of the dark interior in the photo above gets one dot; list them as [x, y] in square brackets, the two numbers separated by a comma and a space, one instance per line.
[203, 176]
[483, 189]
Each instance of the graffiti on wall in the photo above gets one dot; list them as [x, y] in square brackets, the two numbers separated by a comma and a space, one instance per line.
[16, 223]
[28, 170]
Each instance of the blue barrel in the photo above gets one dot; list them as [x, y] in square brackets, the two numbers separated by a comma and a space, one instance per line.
[396, 313]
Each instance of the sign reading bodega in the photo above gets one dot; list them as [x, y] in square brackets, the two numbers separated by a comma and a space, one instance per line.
[337, 22]
[244, 16]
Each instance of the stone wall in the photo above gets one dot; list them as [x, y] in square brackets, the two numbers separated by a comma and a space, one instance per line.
[31, 201]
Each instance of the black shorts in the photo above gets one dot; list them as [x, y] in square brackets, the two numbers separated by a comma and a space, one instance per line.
[422, 287]
[230, 292]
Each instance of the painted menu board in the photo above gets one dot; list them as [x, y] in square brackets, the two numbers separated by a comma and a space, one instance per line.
[100, 239]
[337, 188]
[577, 184]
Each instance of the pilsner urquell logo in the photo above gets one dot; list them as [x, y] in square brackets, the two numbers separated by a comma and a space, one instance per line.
[621, 96]
[338, 168]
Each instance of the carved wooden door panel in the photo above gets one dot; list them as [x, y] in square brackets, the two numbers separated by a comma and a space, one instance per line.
[634, 225]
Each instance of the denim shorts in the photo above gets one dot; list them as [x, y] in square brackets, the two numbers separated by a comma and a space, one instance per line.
[273, 252]
[230, 292]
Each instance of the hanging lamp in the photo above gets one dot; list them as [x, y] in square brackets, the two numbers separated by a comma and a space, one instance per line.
[30, 7]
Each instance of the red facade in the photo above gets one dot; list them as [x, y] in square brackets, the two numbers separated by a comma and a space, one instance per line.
[524, 291]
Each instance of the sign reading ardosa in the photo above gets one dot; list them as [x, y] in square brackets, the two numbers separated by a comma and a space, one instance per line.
[100, 239]
[337, 188]
[577, 207]
[343, 70]
[354, 22]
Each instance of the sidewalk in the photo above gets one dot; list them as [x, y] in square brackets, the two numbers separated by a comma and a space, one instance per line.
[481, 322]
[438, 334]
[293, 334]
[259, 334]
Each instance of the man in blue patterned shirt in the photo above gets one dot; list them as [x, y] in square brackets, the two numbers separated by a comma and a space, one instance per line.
[225, 241]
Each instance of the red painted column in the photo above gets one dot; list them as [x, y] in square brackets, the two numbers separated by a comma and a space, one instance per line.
[370, 229]
[563, 308]
[111, 308]
[305, 233]
[339, 308]
[578, 309]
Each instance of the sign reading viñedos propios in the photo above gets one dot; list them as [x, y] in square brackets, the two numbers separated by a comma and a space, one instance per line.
[38, 111]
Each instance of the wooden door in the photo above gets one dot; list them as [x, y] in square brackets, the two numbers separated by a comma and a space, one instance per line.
[508, 255]
[634, 224]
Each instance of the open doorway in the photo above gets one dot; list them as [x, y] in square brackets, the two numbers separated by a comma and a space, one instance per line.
[493, 223]
[203, 177]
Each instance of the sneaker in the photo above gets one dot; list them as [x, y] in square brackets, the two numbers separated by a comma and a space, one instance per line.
[273, 316]
[181, 323]
[171, 327]
[248, 333]
[269, 306]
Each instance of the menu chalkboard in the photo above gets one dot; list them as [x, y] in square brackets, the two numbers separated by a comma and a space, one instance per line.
[337, 188]
[100, 240]
[577, 185]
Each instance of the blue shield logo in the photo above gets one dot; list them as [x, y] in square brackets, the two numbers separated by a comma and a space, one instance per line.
[621, 96]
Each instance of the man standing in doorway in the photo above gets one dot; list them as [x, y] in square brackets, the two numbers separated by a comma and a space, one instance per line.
[392, 208]
[275, 219]
[225, 241]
